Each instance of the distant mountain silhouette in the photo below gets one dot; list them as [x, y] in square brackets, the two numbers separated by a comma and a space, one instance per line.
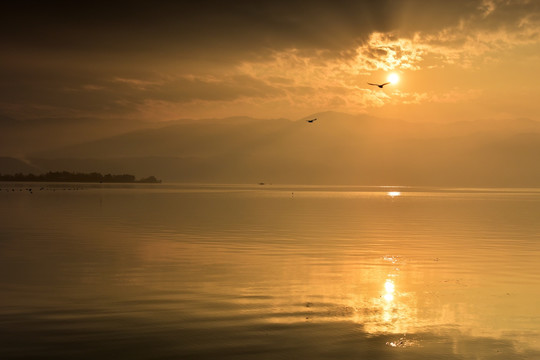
[341, 149]
[9, 165]
[27, 136]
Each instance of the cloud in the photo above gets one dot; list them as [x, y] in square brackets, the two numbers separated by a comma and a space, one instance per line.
[278, 56]
[322, 77]
[388, 52]
[487, 7]
[497, 26]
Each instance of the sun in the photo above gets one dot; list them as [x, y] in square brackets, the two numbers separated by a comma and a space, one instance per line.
[393, 78]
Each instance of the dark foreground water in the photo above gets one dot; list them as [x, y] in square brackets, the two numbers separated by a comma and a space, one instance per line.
[268, 272]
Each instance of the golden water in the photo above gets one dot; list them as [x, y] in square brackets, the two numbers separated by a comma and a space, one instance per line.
[265, 272]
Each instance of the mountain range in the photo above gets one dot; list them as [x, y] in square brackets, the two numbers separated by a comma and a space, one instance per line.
[336, 149]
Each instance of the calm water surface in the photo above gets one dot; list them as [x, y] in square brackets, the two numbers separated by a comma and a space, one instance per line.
[268, 272]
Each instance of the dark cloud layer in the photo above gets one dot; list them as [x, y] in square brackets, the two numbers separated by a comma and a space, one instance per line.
[202, 25]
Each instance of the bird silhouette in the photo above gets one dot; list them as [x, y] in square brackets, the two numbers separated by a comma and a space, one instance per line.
[312, 120]
[379, 85]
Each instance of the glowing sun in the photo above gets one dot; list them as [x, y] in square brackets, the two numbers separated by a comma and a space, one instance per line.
[393, 78]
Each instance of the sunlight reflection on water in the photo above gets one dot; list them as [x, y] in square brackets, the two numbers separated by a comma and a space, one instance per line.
[231, 271]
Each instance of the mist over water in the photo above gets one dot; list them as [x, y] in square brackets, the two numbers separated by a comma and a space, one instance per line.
[265, 272]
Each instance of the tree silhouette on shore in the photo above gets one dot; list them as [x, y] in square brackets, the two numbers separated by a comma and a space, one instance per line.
[66, 176]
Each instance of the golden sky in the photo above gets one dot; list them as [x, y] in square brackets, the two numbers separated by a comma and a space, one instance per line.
[151, 61]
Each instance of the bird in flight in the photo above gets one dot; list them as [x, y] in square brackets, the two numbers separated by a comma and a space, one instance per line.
[380, 85]
[312, 120]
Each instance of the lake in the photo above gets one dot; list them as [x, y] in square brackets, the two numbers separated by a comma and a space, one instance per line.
[172, 271]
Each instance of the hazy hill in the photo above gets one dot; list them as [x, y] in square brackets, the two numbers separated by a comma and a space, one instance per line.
[336, 149]
[186, 138]
[20, 137]
[9, 165]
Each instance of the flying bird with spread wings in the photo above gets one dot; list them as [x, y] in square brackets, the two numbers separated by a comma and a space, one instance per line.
[379, 85]
[312, 120]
